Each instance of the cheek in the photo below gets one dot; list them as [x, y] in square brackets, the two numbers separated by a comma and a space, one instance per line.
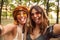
[26, 16]
[39, 15]
[18, 17]
[32, 17]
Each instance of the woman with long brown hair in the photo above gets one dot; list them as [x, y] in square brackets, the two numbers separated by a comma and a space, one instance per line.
[15, 30]
[39, 29]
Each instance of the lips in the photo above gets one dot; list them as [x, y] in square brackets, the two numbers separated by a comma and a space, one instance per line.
[36, 20]
[22, 20]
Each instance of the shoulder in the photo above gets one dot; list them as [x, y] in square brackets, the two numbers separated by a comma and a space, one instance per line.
[10, 25]
[57, 25]
[56, 29]
[49, 29]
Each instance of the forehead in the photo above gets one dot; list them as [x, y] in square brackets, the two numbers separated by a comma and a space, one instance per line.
[19, 12]
[34, 10]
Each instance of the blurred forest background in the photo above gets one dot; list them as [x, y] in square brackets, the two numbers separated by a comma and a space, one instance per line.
[51, 7]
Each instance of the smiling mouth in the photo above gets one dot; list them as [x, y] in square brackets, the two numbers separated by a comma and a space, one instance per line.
[37, 19]
[23, 19]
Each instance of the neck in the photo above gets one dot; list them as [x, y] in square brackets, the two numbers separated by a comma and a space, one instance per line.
[37, 29]
[21, 25]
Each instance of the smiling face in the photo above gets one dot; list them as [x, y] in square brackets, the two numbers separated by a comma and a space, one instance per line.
[36, 16]
[22, 17]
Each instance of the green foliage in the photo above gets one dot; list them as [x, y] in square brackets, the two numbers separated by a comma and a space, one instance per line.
[0, 1]
[52, 4]
[56, 0]
[26, 0]
[4, 14]
[8, 14]
[12, 6]
[50, 9]
[50, 16]
[6, 2]
[44, 2]
[35, 0]
[9, 1]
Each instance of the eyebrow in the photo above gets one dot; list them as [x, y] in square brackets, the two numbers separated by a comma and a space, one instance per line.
[20, 11]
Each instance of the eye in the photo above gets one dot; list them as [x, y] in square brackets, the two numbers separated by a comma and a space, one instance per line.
[37, 13]
[32, 14]
[24, 14]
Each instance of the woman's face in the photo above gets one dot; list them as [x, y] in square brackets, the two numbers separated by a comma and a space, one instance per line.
[22, 17]
[36, 16]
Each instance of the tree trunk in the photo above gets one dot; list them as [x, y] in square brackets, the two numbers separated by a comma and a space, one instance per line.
[1, 9]
[6, 11]
[57, 21]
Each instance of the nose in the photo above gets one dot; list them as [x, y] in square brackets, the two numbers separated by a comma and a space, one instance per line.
[21, 15]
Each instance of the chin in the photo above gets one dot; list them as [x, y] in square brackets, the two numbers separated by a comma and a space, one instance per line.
[38, 23]
[23, 23]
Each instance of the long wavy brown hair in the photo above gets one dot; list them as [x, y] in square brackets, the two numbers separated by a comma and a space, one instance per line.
[44, 22]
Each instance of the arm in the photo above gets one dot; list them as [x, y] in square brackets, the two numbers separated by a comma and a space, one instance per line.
[8, 28]
[56, 29]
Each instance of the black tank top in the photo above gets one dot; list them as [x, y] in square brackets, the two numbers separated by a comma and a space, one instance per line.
[49, 34]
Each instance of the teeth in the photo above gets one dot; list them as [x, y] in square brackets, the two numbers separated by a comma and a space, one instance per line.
[37, 19]
[22, 19]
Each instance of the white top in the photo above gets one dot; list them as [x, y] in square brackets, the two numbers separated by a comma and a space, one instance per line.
[19, 35]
